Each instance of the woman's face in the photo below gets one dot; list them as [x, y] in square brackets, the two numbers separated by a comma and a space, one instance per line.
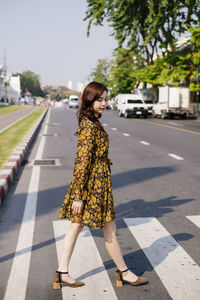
[100, 104]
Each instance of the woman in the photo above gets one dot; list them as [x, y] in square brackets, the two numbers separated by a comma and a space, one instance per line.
[89, 200]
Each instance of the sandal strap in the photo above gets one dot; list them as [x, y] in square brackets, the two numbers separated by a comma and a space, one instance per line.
[59, 272]
[123, 271]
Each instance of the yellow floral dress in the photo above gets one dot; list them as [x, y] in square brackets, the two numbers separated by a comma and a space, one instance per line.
[91, 180]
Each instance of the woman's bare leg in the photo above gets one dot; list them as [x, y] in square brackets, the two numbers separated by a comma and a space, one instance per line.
[67, 249]
[114, 250]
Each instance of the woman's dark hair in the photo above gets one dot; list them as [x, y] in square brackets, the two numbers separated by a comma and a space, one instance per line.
[91, 93]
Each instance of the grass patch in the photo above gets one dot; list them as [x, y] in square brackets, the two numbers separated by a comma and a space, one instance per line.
[13, 136]
[4, 110]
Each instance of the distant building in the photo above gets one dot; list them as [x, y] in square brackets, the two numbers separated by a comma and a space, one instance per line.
[69, 85]
[14, 89]
[2, 77]
[80, 86]
[10, 87]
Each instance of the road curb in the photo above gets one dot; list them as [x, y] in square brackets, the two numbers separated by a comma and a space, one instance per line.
[10, 169]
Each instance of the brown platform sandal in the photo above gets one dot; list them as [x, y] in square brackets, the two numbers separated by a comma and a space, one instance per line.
[120, 280]
[57, 280]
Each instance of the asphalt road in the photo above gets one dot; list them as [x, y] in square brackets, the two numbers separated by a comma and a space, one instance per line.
[155, 179]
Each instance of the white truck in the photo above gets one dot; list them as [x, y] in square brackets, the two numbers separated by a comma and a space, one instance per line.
[73, 101]
[131, 105]
[173, 102]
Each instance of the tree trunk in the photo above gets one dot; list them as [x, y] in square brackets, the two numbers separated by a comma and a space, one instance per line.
[155, 93]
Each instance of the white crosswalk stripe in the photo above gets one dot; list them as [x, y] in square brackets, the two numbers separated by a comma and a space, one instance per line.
[195, 220]
[86, 265]
[177, 270]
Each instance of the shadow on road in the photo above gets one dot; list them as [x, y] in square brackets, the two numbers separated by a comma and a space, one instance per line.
[51, 199]
[139, 208]
[140, 175]
[138, 258]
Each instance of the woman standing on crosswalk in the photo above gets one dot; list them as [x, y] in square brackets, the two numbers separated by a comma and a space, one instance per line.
[89, 200]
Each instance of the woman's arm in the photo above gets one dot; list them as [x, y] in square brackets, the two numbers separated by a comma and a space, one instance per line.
[86, 142]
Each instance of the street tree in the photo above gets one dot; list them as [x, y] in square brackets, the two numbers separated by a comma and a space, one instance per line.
[146, 26]
[181, 67]
[122, 78]
[30, 81]
[149, 28]
[102, 70]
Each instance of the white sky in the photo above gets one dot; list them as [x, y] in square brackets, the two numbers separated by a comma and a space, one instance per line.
[49, 38]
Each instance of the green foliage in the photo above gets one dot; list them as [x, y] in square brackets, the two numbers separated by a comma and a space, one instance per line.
[177, 68]
[30, 82]
[122, 79]
[144, 29]
[145, 26]
[102, 71]
[195, 59]
[65, 95]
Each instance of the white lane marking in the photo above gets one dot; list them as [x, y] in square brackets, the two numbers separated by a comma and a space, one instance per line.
[104, 124]
[17, 282]
[42, 142]
[126, 134]
[86, 265]
[144, 143]
[175, 156]
[21, 262]
[195, 220]
[177, 270]
[114, 129]
[176, 124]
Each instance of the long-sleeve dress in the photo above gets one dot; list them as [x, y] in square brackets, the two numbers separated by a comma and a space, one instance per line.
[91, 180]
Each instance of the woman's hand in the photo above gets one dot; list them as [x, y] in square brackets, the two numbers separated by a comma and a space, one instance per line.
[77, 206]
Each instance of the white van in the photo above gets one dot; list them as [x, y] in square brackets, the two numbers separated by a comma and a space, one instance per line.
[73, 101]
[146, 95]
[131, 105]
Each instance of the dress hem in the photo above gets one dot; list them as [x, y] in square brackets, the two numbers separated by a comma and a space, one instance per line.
[71, 219]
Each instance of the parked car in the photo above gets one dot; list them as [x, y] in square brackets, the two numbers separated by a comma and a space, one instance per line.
[65, 101]
[146, 95]
[112, 104]
[129, 105]
[24, 100]
[149, 105]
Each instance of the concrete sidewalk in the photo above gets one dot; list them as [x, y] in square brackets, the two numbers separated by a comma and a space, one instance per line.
[10, 119]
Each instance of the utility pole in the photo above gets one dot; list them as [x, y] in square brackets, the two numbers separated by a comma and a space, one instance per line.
[4, 74]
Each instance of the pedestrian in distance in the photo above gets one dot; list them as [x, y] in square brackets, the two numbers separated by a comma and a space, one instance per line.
[89, 199]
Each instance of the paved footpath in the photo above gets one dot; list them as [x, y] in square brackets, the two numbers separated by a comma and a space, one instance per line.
[11, 118]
